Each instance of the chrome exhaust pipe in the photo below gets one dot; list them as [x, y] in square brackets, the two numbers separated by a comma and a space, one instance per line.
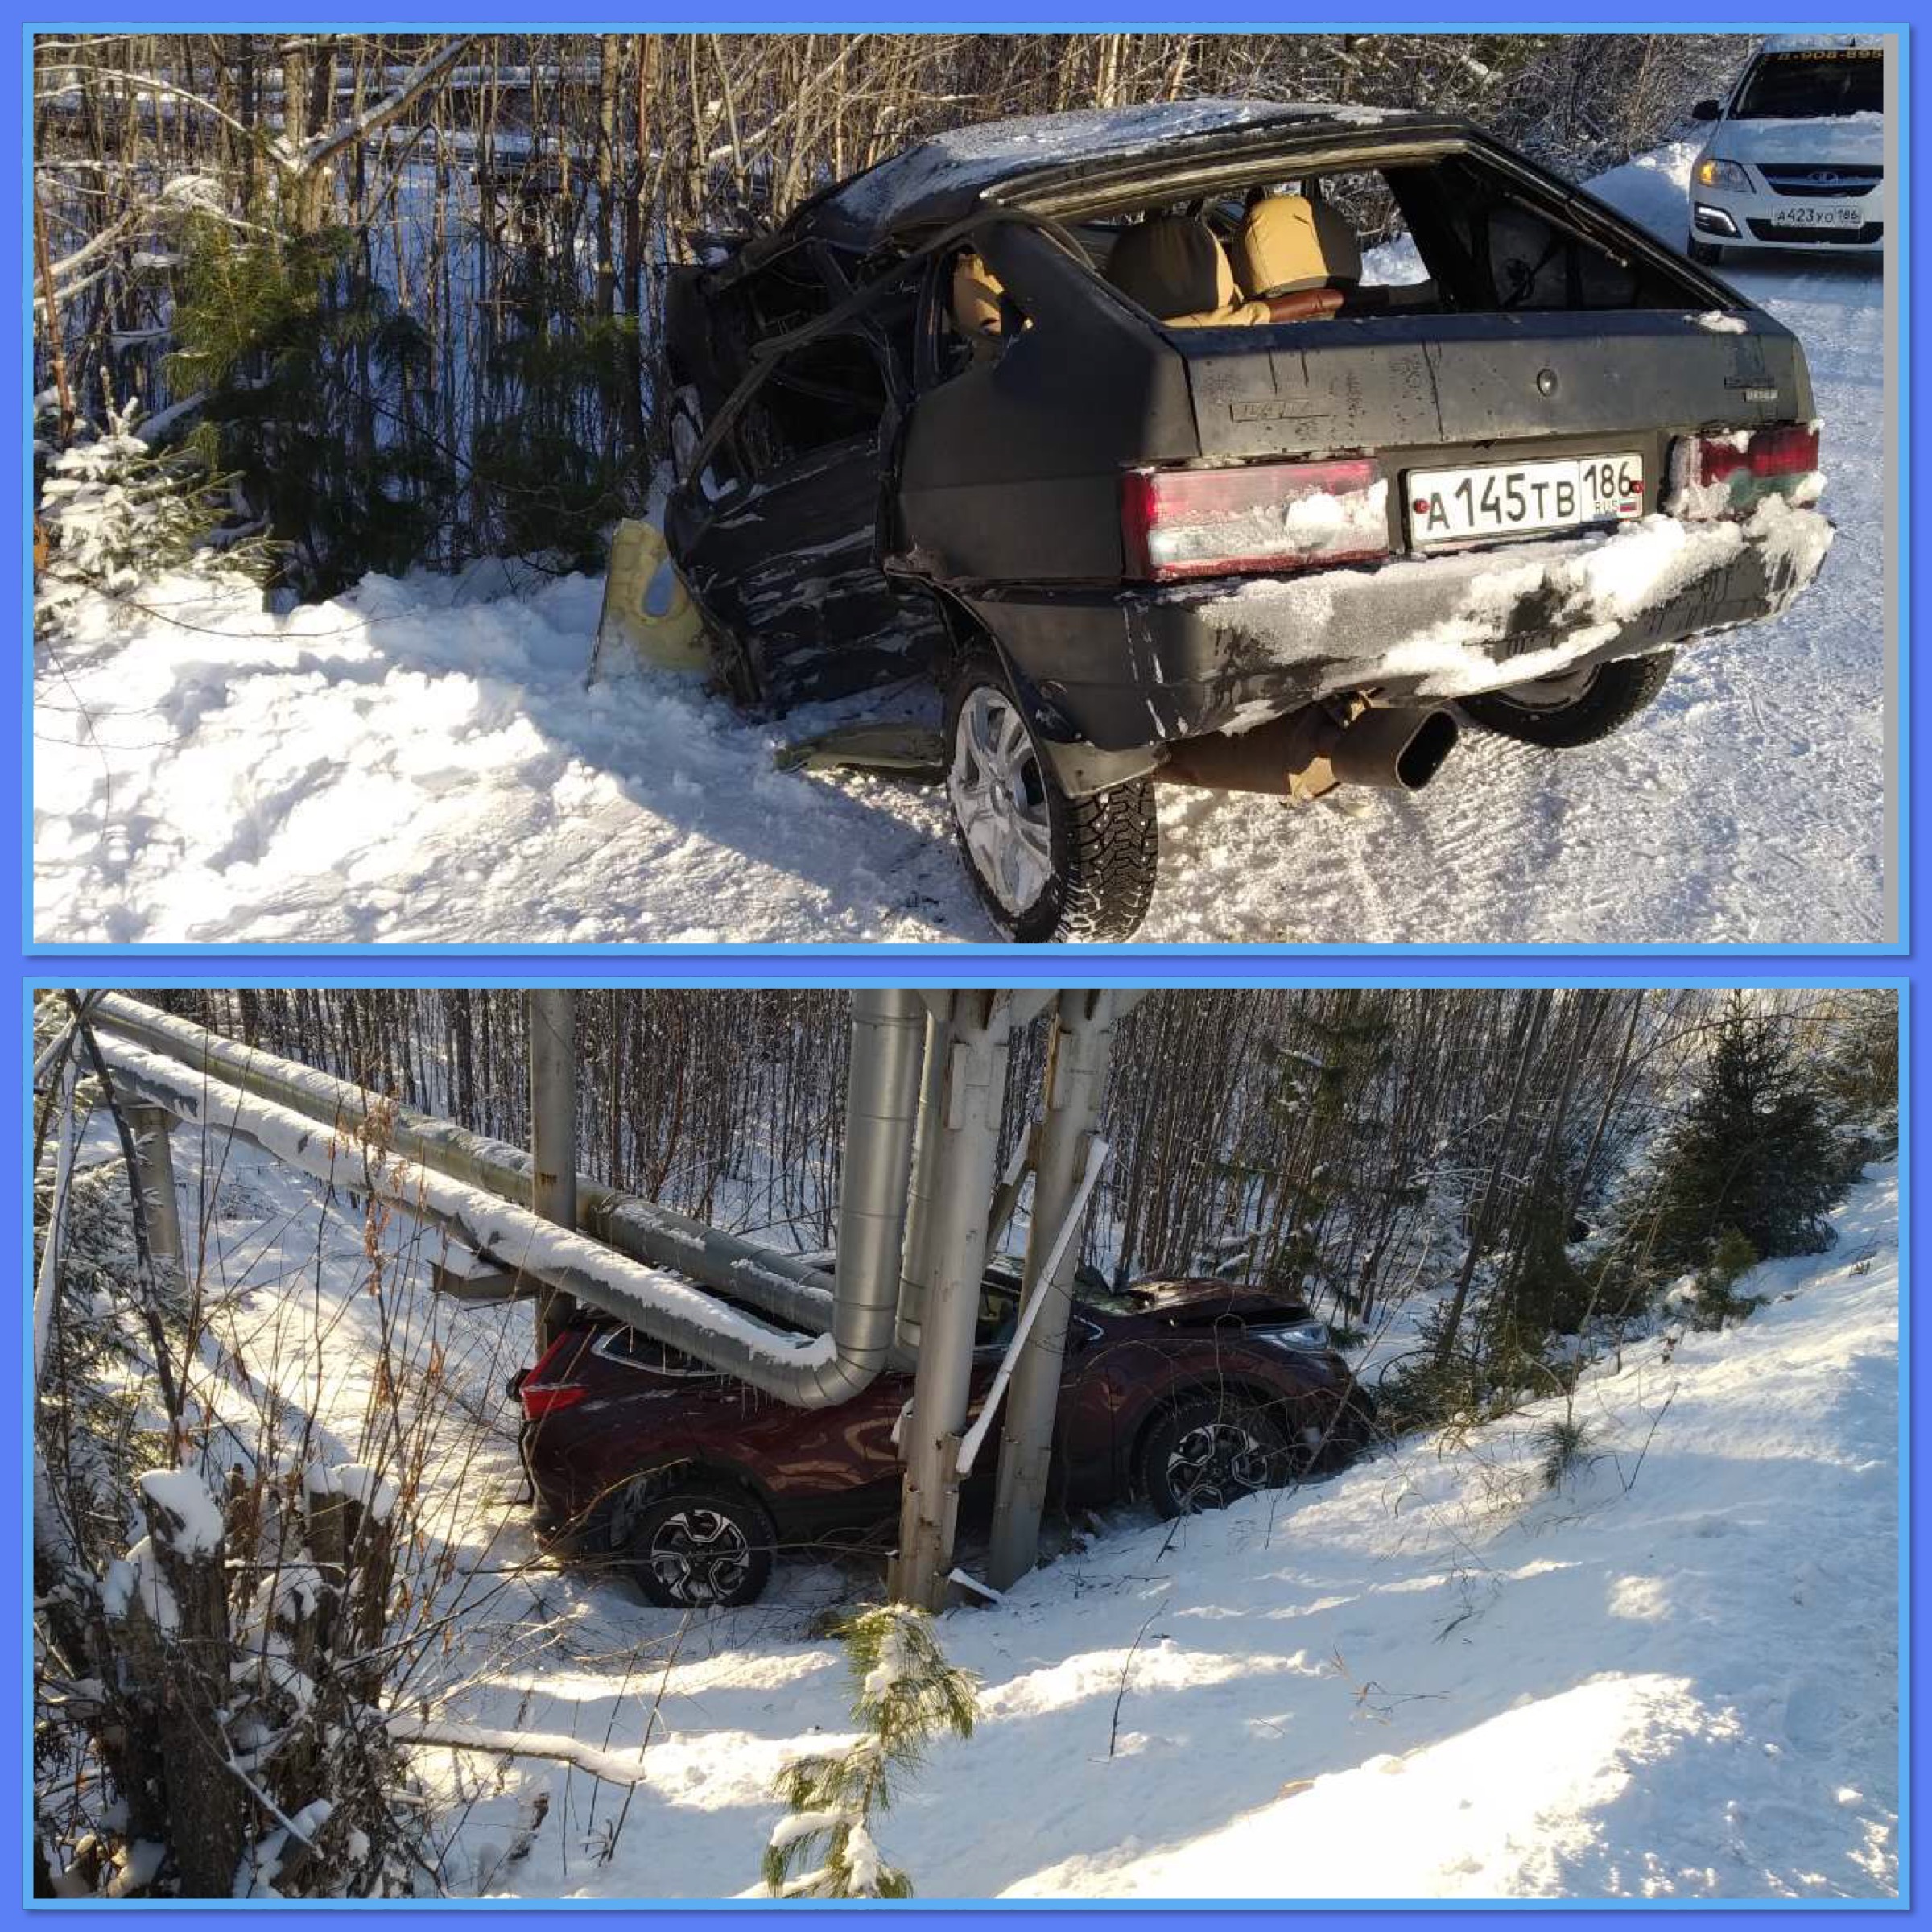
[1400, 751]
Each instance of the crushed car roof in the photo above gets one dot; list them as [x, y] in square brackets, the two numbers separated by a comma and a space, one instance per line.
[940, 178]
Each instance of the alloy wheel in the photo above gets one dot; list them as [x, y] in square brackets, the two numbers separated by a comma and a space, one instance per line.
[701, 1556]
[999, 797]
[1214, 1465]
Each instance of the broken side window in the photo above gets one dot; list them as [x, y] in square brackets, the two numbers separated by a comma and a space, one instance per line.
[972, 315]
[827, 391]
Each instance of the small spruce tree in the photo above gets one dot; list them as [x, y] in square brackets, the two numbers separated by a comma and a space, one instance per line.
[1754, 1151]
[116, 513]
[1715, 1299]
[905, 1695]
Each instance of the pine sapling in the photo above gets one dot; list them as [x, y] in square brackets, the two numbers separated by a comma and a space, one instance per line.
[118, 512]
[905, 1695]
[1565, 1449]
[1715, 1300]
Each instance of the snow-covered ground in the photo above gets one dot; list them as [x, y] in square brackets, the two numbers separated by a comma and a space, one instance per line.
[1675, 1675]
[420, 763]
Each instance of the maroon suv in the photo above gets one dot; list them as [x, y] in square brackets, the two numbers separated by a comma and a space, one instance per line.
[1189, 1394]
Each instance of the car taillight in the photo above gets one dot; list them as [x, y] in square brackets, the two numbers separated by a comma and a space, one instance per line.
[546, 1387]
[1261, 516]
[1727, 475]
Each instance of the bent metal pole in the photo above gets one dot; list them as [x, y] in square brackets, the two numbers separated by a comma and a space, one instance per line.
[552, 1028]
[1076, 1081]
[811, 1372]
[972, 1089]
[779, 1284]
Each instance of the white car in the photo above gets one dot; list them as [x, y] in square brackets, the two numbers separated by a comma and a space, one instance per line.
[1796, 159]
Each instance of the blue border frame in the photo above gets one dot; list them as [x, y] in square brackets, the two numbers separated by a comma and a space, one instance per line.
[1901, 875]
[1821, 964]
[1164, 1913]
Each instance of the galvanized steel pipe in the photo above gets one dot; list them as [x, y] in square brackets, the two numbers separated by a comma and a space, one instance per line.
[779, 1284]
[810, 1371]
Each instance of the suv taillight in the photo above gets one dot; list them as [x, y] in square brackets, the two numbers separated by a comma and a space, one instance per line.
[1260, 516]
[1728, 475]
[546, 1388]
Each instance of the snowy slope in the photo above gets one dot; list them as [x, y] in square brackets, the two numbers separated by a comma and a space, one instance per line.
[1674, 1676]
[421, 764]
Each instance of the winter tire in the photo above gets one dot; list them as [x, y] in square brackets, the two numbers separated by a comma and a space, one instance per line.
[705, 1546]
[1574, 708]
[1208, 1451]
[1046, 866]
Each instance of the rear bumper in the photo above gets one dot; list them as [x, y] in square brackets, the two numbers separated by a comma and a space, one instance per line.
[1111, 678]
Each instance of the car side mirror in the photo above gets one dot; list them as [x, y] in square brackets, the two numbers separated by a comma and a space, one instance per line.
[1705, 111]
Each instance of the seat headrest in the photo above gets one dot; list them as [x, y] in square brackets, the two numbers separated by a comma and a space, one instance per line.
[1289, 242]
[1172, 265]
[976, 295]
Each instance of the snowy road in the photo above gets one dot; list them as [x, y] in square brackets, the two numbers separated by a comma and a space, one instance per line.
[411, 764]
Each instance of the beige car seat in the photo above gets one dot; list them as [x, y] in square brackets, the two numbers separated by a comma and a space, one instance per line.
[1289, 242]
[1176, 267]
[976, 298]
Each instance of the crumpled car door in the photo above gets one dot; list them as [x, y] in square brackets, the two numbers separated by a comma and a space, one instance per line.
[780, 545]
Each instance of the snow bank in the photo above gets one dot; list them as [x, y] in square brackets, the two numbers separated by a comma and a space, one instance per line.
[1676, 1677]
[421, 762]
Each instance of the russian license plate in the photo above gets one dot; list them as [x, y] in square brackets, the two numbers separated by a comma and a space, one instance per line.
[1823, 214]
[1501, 499]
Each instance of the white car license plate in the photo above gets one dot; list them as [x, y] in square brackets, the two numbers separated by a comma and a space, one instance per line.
[1500, 499]
[1824, 214]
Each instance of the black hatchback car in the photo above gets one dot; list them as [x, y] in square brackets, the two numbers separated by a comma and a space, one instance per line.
[1108, 420]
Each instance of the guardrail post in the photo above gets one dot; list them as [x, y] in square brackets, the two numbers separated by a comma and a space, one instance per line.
[155, 1176]
[552, 1012]
[1076, 1081]
[970, 1104]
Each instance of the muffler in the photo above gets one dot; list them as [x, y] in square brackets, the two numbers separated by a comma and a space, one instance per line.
[1307, 753]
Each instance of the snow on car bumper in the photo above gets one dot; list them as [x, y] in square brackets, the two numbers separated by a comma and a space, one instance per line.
[1112, 677]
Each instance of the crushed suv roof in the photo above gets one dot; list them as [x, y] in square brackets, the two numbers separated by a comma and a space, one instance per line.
[942, 176]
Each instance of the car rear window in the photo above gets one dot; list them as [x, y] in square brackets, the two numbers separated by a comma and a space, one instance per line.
[637, 1350]
[1460, 231]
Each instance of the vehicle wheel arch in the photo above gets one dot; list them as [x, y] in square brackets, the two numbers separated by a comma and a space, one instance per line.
[967, 633]
[643, 1486]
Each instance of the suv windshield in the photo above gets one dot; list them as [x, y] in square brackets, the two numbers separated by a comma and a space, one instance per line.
[1812, 86]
